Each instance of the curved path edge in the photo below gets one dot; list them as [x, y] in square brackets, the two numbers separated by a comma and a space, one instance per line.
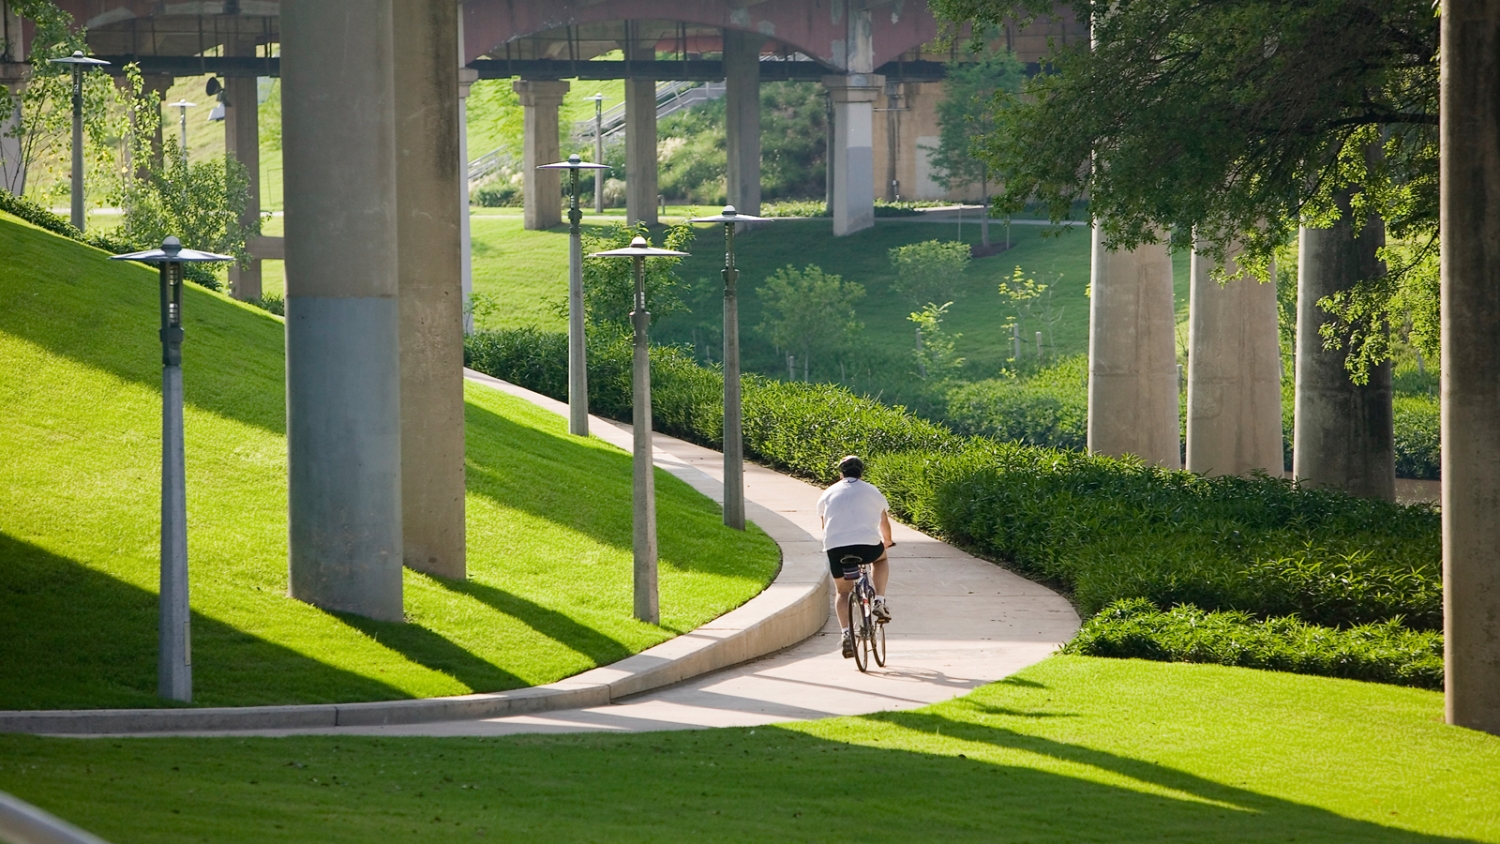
[793, 607]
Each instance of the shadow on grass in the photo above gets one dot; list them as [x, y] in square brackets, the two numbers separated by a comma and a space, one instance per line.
[74, 637]
[74, 302]
[549, 622]
[584, 489]
[432, 650]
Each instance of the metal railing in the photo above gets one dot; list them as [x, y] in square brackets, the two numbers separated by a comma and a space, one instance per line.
[23, 823]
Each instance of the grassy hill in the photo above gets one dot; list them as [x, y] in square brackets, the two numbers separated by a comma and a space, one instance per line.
[549, 588]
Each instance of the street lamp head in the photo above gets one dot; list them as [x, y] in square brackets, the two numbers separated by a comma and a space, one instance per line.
[78, 58]
[183, 104]
[639, 248]
[729, 215]
[573, 163]
[172, 252]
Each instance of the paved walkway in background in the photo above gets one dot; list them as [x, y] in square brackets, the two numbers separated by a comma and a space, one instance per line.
[960, 622]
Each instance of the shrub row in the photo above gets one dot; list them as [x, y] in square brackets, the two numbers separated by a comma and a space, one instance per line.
[1100, 528]
[1384, 652]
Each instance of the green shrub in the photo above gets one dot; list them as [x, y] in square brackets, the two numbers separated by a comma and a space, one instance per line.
[271, 303]
[1050, 408]
[1384, 652]
[1419, 452]
[795, 208]
[498, 195]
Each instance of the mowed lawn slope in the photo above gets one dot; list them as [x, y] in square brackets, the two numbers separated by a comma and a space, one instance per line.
[548, 519]
[1071, 750]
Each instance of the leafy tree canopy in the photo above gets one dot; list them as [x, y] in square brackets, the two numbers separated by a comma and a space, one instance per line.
[609, 283]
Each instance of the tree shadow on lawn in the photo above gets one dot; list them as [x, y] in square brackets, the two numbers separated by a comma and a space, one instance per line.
[105, 314]
[581, 488]
[432, 650]
[75, 637]
[551, 623]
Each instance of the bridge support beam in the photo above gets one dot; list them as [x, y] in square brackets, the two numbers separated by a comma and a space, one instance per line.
[1133, 355]
[640, 151]
[12, 165]
[242, 142]
[539, 102]
[342, 314]
[742, 120]
[429, 243]
[1234, 374]
[1471, 357]
[852, 158]
[1343, 437]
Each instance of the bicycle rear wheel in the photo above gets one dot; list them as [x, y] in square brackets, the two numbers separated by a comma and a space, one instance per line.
[859, 624]
[877, 643]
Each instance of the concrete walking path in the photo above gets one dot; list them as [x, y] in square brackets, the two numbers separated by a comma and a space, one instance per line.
[960, 622]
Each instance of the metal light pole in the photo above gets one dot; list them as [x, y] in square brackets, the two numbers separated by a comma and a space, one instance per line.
[598, 151]
[578, 362]
[734, 441]
[79, 62]
[182, 106]
[644, 493]
[174, 658]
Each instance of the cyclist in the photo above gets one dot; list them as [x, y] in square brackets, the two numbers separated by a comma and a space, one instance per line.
[856, 530]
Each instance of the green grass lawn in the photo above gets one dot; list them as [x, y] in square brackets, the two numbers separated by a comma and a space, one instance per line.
[1071, 750]
[549, 525]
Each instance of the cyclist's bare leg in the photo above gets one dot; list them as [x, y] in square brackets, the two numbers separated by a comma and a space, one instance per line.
[882, 573]
[841, 606]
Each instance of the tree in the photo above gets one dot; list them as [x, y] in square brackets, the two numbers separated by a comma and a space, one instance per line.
[609, 283]
[1236, 120]
[936, 356]
[929, 271]
[809, 312]
[966, 115]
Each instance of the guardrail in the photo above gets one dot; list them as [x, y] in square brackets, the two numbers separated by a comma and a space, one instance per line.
[23, 823]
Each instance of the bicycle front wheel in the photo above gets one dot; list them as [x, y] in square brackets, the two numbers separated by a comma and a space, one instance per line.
[877, 643]
[859, 629]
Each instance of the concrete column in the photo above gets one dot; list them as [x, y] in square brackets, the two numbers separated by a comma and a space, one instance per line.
[242, 141]
[158, 84]
[1343, 433]
[14, 71]
[1234, 374]
[540, 100]
[742, 119]
[852, 156]
[343, 312]
[1133, 355]
[1471, 358]
[640, 151]
[466, 78]
[429, 243]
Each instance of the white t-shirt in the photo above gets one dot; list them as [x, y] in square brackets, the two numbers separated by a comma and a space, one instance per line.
[851, 512]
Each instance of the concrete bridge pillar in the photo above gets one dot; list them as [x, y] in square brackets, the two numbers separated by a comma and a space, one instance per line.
[429, 191]
[1234, 374]
[640, 151]
[1343, 432]
[14, 71]
[539, 101]
[343, 311]
[1471, 356]
[242, 142]
[158, 84]
[852, 156]
[742, 121]
[1133, 355]
[466, 79]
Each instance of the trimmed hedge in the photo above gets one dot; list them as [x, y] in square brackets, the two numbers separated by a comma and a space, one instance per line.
[1383, 653]
[1050, 408]
[1100, 528]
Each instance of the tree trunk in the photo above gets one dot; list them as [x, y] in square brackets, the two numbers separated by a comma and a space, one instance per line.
[1344, 436]
[984, 216]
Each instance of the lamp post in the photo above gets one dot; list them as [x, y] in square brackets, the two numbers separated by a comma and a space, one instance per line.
[578, 373]
[174, 659]
[644, 492]
[598, 151]
[734, 443]
[79, 63]
[182, 106]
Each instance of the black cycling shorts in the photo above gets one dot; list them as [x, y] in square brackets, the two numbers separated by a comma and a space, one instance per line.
[857, 555]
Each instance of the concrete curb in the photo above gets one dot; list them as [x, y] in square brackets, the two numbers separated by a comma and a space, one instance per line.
[793, 607]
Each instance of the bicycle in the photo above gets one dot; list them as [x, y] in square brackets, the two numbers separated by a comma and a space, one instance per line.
[868, 634]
